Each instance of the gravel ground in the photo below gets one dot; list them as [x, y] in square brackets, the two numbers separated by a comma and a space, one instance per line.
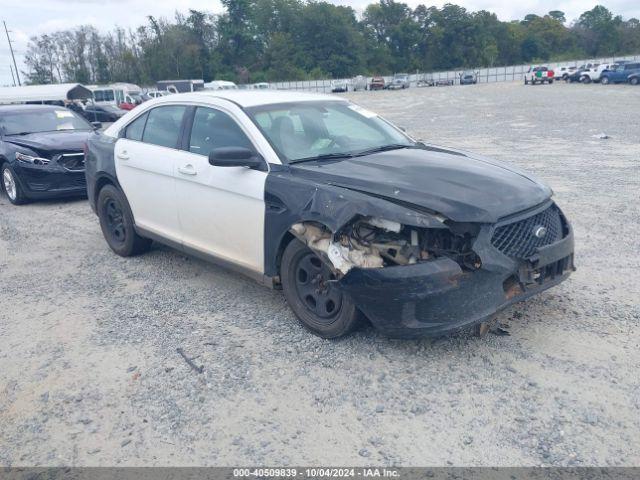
[89, 373]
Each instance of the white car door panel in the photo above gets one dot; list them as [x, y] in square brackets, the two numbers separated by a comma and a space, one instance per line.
[221, 209]
[146, 174]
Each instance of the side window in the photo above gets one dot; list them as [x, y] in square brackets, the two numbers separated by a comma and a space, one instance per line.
[134, 129]
[214, 129]
[163, 126]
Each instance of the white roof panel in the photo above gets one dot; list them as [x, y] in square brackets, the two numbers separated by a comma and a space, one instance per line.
[44, 93]
[252, 98]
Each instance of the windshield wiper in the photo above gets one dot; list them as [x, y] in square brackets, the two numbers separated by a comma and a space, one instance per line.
[17, 134]
[325, 156]
[383, 148]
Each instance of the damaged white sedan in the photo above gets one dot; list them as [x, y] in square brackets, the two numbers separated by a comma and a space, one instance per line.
[351, 217]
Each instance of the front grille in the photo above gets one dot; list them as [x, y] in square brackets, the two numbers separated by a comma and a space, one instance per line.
[519, 240]
[71, 161]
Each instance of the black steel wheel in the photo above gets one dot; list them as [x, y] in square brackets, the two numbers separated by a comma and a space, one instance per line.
[116, 222]
[314, 295]
[315, 285]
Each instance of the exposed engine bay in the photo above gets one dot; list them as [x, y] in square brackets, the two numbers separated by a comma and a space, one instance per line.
[376, 243]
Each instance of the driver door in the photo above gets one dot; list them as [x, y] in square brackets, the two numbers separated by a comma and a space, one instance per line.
[221, 209]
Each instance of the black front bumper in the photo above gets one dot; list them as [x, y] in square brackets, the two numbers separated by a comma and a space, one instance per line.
[50, 181]
[437, 297]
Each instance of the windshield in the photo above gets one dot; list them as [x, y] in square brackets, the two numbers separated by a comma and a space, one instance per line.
[34, 121]
[308, 130]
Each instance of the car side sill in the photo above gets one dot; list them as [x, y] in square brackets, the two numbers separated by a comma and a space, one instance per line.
[262, 279]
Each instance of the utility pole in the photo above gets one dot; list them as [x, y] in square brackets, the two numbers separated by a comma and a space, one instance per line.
[12, 77]
[12, 55]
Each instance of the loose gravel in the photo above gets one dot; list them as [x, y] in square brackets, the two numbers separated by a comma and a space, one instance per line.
[90, 375]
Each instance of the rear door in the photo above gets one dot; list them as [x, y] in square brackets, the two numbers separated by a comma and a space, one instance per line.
[145, 165]
[221, 209]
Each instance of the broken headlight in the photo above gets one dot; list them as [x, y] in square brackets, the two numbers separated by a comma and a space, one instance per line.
[23, 157]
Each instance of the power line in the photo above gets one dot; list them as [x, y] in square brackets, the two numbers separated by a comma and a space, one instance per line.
[12, 55]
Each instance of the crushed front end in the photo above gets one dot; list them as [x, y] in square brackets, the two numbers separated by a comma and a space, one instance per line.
[412, 281]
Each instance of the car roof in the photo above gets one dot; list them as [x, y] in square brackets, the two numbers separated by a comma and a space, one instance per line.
[248, 98]
[28, 108]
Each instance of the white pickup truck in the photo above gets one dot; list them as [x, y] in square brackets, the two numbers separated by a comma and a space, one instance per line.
[538, 74]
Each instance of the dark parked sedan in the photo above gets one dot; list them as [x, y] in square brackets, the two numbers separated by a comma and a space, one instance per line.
[41, 152]
[103, 113]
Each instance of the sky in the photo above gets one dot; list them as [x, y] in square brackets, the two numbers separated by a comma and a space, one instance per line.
[26, 18]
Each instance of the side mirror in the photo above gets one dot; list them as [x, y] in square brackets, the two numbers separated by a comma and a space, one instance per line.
[236, 157]
[96, 125]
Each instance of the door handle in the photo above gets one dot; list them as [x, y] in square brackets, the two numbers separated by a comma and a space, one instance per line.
[187, 170]
[123, 155]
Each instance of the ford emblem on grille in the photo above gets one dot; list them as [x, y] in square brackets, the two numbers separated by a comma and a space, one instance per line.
[539, 231]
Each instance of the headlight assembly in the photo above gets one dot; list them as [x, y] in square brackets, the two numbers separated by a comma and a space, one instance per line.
[23, 157]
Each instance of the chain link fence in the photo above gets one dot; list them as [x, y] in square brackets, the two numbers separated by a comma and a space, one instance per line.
[484, 75]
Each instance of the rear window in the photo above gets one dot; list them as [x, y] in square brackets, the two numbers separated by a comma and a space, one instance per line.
[163, 126]
[135, 129]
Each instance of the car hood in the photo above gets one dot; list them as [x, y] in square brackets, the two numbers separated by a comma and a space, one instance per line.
[60, 141]
[461, 186]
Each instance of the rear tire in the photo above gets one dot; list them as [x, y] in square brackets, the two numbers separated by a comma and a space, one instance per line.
[116, 222]
[11, 186]
[634, 81]
[318, 302]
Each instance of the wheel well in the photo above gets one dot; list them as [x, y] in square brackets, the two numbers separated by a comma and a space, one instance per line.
[100, 184]
[286, 239]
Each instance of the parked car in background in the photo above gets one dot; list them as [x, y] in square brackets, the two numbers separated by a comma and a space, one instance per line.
[341, 85]
[538, 74]
[116, 94]
[377, 83]
[103, 113]
[302, 191]
[261, 86]
[127, 106]
[156, 93]
[400, 81]
[634, 78]
[575, 76]
[620, 73]
[468, 77]
[180, 86]
[220, 85]
[359, 82]
[594, 73]
[562, 72]
[41, 152]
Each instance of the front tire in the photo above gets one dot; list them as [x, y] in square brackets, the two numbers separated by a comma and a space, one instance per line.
[604, 80]
[116, 222]
[634, 81]
[313, 294]
[11, 186]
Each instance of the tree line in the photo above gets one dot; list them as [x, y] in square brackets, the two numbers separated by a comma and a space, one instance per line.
[271, 40]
